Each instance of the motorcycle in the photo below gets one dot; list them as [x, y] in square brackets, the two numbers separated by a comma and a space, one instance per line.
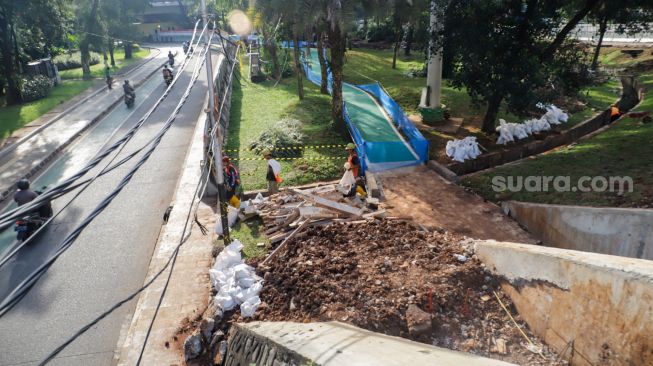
[27, 225]
[31, 222]
[171, 61]
[168, 79]
[109, 81]
[129, 100]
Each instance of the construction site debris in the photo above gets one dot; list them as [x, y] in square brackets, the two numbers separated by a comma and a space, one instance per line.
[235, 282]
[394, 278]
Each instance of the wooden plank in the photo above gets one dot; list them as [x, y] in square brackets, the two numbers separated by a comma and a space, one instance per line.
[332, 205]
[290, 236]
[312, 212]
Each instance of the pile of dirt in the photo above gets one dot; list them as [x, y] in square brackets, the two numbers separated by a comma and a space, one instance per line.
[392, 277]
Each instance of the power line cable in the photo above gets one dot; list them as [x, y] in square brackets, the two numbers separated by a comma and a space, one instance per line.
[201, 187]
[49, 195]
[29, 281]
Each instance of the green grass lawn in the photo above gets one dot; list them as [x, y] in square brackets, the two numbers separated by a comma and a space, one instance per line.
[624, 150]
[256, 107]
[612, 57]
[250, 234]
[16, 116]
[97, 71]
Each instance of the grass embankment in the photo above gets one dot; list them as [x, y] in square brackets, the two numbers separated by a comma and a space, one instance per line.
[97, 71]
[624, 150]
[368, 66]
[16, 116]
[257, 107]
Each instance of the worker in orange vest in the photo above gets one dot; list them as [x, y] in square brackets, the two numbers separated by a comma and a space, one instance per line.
[353, 160]
[614, 113]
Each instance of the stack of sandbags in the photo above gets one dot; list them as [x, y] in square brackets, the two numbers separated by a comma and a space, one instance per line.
[461, 150]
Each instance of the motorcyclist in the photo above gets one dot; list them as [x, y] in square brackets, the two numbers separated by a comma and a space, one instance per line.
[107, 76]
[185, 47]
[167, 73]
[171, 58]
[128, 89]
[26, 195]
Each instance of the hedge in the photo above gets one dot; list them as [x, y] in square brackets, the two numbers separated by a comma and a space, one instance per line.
[73, 60]
[35, 87]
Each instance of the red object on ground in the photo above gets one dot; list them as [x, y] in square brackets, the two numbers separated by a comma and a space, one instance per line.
[638, 114]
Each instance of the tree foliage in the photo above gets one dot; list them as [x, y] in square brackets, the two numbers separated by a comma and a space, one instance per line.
[28, 30]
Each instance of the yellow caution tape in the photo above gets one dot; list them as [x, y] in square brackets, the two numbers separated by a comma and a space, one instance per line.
[305, 158]
[293, 148]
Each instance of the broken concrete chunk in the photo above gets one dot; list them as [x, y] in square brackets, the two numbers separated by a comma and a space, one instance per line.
[419, 321]
[193, 346]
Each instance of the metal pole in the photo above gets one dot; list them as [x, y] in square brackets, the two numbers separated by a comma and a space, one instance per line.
[215, 135]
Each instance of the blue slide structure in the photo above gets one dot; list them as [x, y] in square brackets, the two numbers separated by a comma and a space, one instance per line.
[385, 138]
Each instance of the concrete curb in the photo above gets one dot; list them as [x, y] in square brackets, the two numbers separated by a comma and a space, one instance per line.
[48, 158]
[443, 171]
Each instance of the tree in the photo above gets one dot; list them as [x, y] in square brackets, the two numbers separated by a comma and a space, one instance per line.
[92, 31]
[403, 11]
[28, 29]
[508, 50]
[629, 17]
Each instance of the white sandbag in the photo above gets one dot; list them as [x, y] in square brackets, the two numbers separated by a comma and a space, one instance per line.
[519, 131]
[258, 199]
[248, 308]
[225, 302]
[505, 131]
[232, 217]
[461, 150]
[235, 281]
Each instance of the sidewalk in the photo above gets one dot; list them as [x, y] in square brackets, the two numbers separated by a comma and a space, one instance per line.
[41, 140]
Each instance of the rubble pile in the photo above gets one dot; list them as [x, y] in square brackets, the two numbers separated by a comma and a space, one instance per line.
[394, 278]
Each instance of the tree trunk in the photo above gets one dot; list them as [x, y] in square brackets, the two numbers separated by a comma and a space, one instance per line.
[365, 26]
[298, 68]
[85, 58]
[105, 57]
[272, 49]
[409, 40]
[396, 47]
[602, 28]
[493, 105]
[324, 86]
[113, 61]
[8, 65]
[128, 50]
[336, 45]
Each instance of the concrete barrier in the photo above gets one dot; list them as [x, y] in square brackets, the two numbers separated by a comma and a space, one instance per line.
[336, 344]
[617, 231]
[593, 309]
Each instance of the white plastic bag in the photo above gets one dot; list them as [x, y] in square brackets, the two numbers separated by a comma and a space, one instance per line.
[347, 180]
[232, 217]
[248, 308]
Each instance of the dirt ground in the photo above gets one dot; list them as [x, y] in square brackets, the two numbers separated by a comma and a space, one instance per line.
[432, 201]
[392, 277]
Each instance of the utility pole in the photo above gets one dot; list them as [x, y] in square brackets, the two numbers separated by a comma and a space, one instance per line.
[214, 128]
[430, 104]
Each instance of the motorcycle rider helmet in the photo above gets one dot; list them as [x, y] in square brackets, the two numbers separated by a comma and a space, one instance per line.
[23, 184]
[126, 81]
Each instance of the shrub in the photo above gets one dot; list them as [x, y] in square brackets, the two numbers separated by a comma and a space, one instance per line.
[285, 133]
[383, 32]
[73, 60]
[35, 87]
[135, 47]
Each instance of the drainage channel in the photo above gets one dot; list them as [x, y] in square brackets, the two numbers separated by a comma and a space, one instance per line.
[82, 151]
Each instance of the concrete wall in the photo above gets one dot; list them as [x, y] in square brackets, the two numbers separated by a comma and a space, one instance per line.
[616, 231]
[595, 309]
[335, 344]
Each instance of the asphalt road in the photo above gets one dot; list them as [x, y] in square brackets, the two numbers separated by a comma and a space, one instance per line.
[111, 257]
